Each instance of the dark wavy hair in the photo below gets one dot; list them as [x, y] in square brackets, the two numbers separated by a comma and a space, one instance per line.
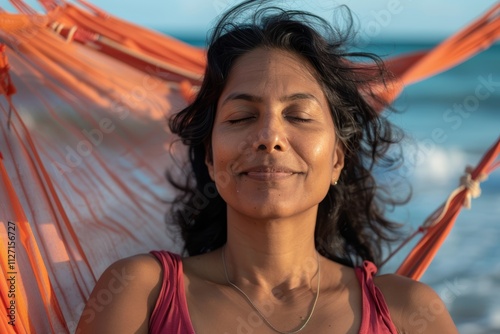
[350, 225]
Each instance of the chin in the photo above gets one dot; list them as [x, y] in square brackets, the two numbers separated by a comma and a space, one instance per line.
[268, 211]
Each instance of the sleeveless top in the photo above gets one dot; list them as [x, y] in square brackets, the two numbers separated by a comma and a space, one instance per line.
[170, 314]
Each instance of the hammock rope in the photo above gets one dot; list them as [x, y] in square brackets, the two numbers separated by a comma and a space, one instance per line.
[437, 227]
[84, 145]
[439, 223]
[6, 87]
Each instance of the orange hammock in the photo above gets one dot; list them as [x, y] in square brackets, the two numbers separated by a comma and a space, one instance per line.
[84, 146]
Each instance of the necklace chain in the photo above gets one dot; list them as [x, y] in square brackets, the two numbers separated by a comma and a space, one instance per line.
[257, 309]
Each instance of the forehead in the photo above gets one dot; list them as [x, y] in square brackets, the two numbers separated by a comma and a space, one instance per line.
[271, 71]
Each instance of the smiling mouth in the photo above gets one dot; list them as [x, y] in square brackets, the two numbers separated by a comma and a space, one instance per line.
[269, 173]
[268, 176]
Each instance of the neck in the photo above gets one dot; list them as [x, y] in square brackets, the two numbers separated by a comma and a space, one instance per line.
[271, 253]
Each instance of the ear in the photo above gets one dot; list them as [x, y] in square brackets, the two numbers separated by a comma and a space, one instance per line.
[209, 162]
[338, 161]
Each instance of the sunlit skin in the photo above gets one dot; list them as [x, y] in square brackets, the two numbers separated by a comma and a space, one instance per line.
[274, 150]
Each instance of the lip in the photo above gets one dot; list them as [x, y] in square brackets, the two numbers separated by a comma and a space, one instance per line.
[268, 173]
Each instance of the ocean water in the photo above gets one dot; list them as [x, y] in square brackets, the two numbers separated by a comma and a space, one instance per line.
[450, 120]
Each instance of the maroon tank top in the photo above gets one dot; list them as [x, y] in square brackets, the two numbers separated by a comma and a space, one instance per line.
[171, 316]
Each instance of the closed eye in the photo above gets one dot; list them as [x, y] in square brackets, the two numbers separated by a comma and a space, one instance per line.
[240, 120]
[298, 119]
[298, 113]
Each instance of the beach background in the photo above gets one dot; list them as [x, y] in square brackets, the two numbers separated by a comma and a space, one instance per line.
[466, 270]
[440, 142]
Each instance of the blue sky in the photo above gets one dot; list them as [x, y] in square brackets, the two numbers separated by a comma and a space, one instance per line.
[380, 19]
[383, 19]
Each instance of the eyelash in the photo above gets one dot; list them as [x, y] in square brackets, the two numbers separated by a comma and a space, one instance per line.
[298, 119]
[241, 120]
[293, 119]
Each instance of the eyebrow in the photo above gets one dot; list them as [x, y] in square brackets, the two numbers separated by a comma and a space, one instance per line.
[258, 99]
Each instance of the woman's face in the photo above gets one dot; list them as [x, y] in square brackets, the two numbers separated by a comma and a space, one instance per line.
[274, 149]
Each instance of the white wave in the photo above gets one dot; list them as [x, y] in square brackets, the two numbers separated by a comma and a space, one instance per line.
[431, 164]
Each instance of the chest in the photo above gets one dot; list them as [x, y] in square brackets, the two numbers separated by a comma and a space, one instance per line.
[216, 309]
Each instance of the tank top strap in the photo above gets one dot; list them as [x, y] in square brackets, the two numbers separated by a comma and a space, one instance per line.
[376, 318]
[170, 314]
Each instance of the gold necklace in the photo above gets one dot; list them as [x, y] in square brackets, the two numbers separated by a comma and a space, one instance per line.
[257, 309]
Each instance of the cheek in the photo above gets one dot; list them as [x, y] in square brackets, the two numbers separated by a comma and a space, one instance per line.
[321, 154]
[231, 151]
[220, 174]
[223, 162]
[219, 148]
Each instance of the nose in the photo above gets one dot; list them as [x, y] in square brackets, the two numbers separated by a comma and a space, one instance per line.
[272, 135]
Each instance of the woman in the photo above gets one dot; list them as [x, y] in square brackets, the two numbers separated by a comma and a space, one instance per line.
[285, 223]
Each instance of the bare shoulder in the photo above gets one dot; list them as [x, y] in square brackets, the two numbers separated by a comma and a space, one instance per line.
[414, 306]
[123, 298]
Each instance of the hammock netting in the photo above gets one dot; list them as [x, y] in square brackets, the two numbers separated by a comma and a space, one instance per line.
[84, 145]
